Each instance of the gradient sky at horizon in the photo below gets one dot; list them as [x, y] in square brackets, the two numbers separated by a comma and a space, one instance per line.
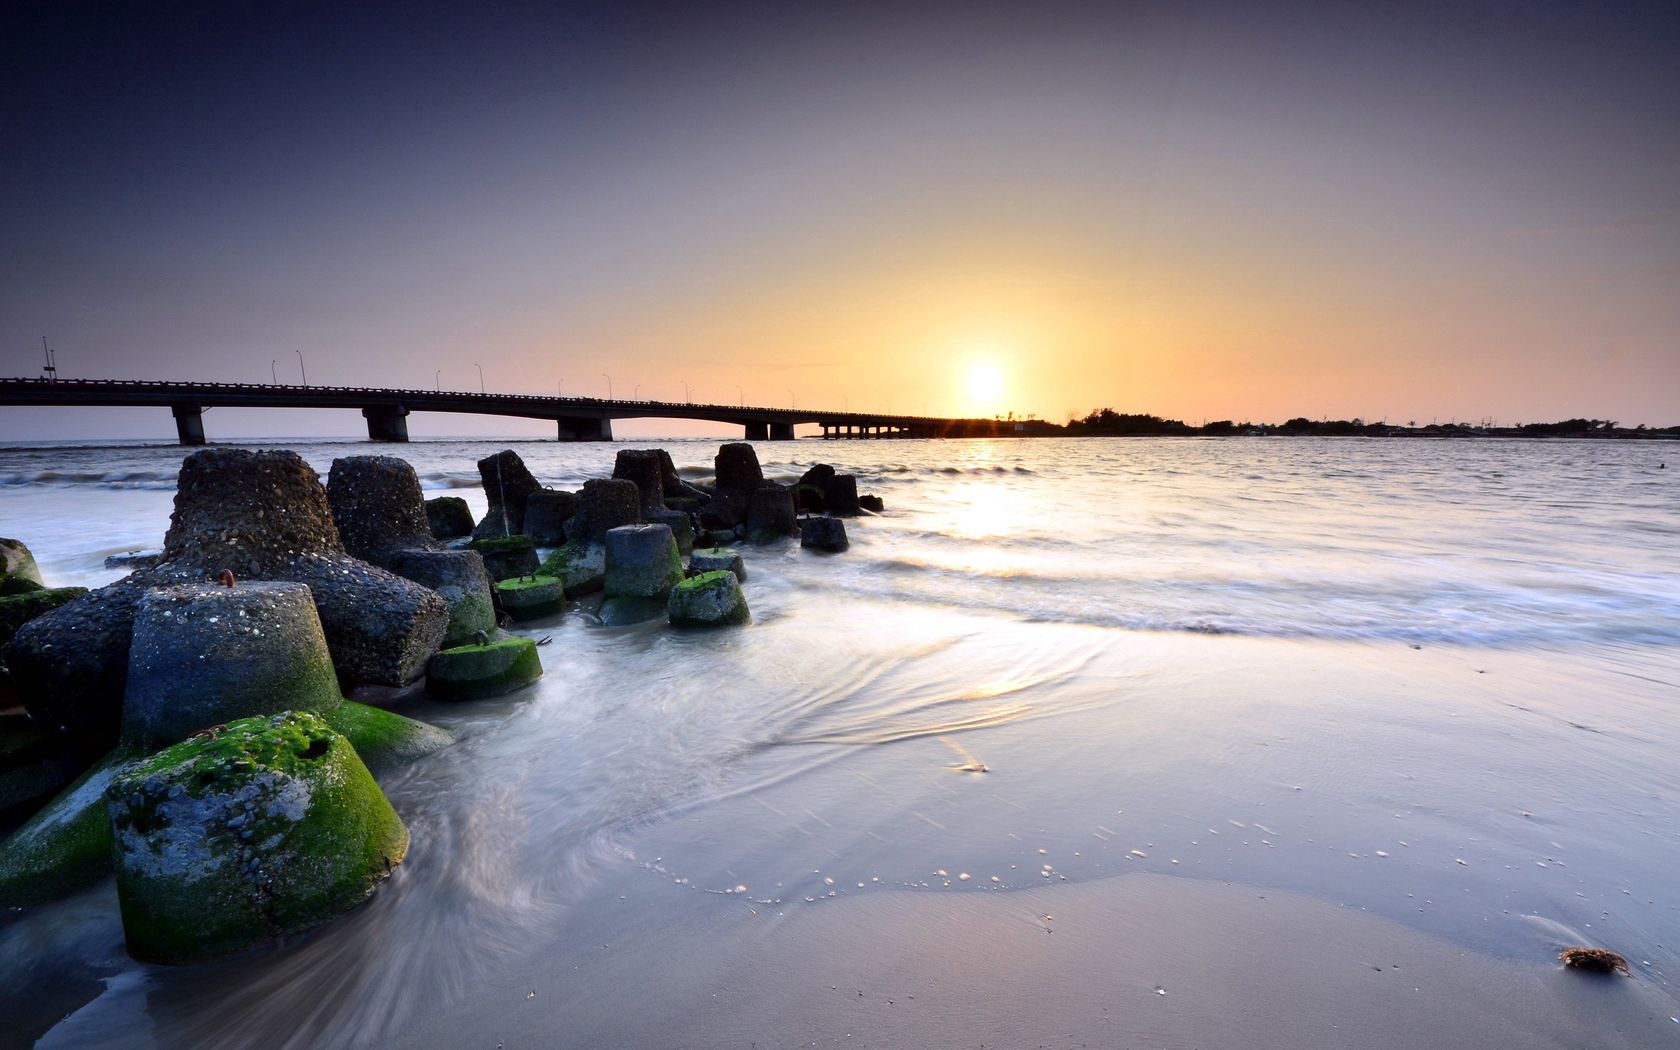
[1200, 210]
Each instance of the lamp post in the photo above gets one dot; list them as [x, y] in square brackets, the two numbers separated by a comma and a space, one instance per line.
[273, 374]
[301, 371]
[480, 376]
[687, 398]
[795, 398]
[608, 378]
[437, 379]
[636, 392]
[557, 391]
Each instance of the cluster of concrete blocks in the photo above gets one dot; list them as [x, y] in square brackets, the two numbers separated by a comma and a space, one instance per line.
[224, 776]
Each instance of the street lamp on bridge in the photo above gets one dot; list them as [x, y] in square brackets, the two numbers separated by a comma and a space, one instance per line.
[437, 379]
[273, 375]
[795, 398]
[608, 378]
[301, 371]
[480, 376]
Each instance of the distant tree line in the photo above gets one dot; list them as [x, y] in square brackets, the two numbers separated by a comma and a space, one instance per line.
[1108, 422]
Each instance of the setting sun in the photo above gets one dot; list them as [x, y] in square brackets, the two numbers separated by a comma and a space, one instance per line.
[985, 387]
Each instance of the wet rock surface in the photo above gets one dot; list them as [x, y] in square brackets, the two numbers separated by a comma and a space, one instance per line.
[461, 580]
[604, 505]
[449, 517]
[643, 467]
[823, 534]
[546, 514]
[377, 506]
[476, 672]
[508, 485]
[711, 599]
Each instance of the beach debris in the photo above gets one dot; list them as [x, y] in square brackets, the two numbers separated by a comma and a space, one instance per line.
[224, 842]
[1594, 960]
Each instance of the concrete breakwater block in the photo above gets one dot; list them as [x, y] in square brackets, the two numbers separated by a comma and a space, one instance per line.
[642, 466]
[66, 845]
[604, 505]
[642, 561]
[823, 534]
[737, 466]
[377, 506]
[16, 560]
[546, 514]
[261, 516]
[137, 559]
[477, 672]
[680, 524]
[532, 597]
[461, 580]
[204, 654]
[771, 514]
[507, 556]
[508, 484]
[714, 559]
[840, 495]
[19, 608]
[580, 567]
[711, 599]
[35, 765]
[231, 839]
[448, 517]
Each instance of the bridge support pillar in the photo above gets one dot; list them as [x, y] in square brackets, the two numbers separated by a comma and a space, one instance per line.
[781, 432]
[758, 432]
[189, 423]
[584, 429]
[386, 422]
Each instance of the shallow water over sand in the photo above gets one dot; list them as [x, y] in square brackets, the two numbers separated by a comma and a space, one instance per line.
[1413, 689]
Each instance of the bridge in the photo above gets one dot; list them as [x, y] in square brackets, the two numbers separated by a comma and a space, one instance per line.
[386, 411]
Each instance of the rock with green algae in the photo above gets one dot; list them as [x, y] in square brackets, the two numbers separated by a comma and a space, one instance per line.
[34, 766]
[232, 838]
[507, 556]
[581, 567]
[532, 597]
[15, 560]
[460, 579]
[66, 845]
[712, 559]
[711, 599]
[18, 609]
[10, 585]
[480, 671]
[622, 610]
[642, 561]
[448, 517]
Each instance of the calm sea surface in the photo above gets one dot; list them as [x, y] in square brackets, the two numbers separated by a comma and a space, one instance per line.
[1434, 681]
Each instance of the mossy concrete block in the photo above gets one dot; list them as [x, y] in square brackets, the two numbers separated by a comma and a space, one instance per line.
[873, 504]
[642, 561]
[680, 524]
[18, 609]
[377, 505]
[508, 484]
[204, 654]
[716, 559]
[642, 466]
[711, 599]
[580, 567]
[770, 513]
[10, 585]
[15, 560]
[546, 514]
[34, 766]
[461, 580]
[808, 497]
[625, 610]
[532, 597]
[476, 672]
[508, 556]
[448, 517]
[384, 739]
[66, 845]
[231, 839]
[823, 534]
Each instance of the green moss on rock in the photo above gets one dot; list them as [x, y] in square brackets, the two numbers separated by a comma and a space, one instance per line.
[230, 839]
[476, 672]
[11, 584]
[18, 609]
[501, 543]
[532, 597]
[384, 739]
[66, 845]
[580, 567]
[711, 599]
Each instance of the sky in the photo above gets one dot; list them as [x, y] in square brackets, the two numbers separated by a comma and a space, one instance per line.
[1395, 211]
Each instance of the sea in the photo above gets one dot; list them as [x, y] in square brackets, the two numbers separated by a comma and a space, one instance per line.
[1431, 685]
